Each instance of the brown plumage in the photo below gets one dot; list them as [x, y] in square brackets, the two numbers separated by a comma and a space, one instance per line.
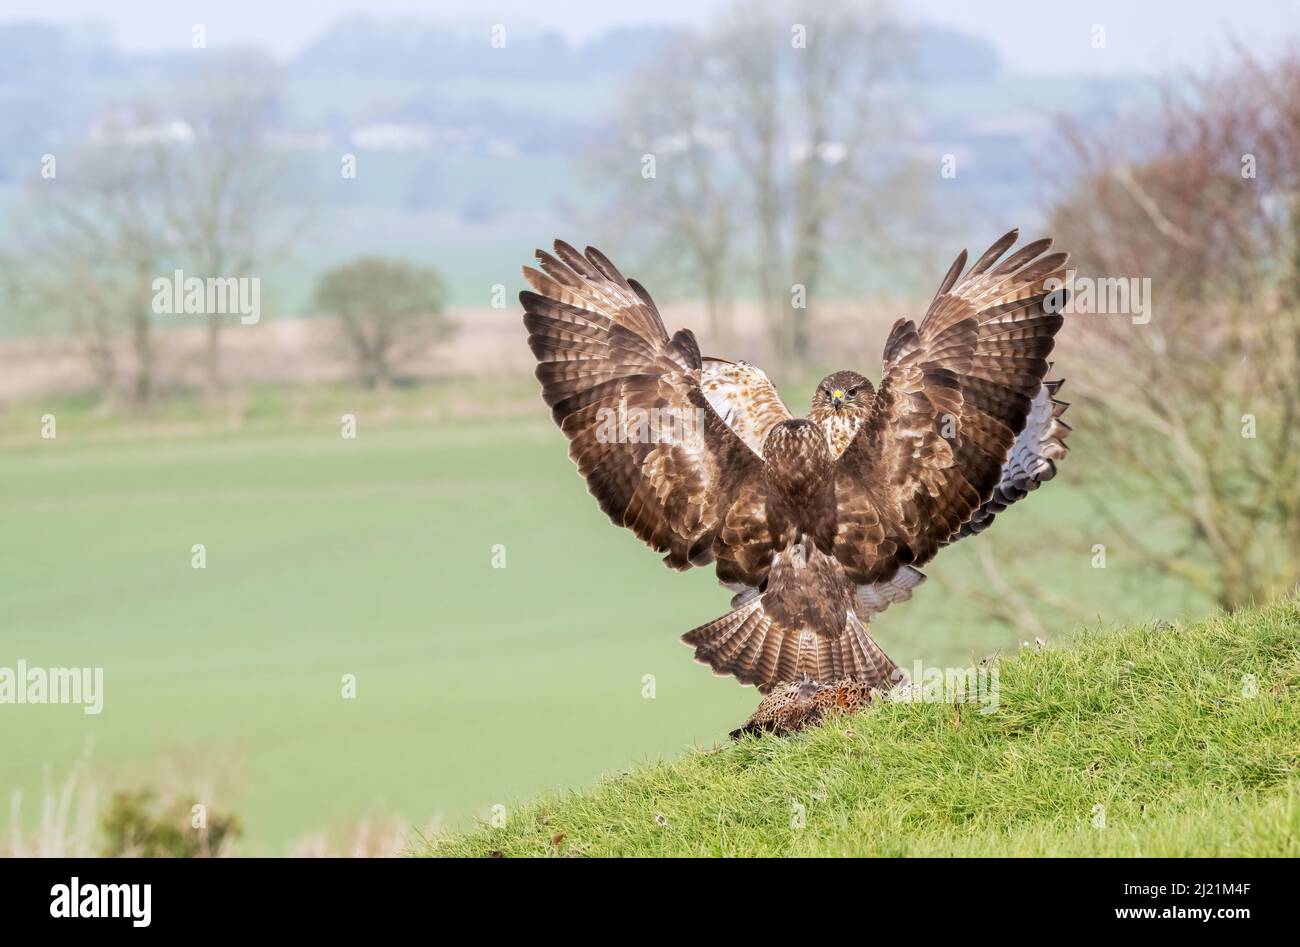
[817, 524]
[795, 705]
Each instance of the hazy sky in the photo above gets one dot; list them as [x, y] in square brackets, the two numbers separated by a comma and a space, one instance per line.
[1032, 36]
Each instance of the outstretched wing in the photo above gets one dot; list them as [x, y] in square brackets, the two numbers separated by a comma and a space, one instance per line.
[1031, 461]
[956, 393]
[656, 454]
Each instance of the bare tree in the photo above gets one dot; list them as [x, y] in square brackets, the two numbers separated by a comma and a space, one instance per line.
[195, 192]
[774, 148]
[1197, 412]
[689, 211]
[220, 192]
[387, 310]
[54, 290]
[99, 244]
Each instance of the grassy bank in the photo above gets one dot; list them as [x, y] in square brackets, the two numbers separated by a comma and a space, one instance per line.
[1145, 740]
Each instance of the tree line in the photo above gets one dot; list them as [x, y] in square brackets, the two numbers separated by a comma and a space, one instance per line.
[205, 198]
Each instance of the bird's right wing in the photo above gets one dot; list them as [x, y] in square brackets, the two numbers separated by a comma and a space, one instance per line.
[648, 423]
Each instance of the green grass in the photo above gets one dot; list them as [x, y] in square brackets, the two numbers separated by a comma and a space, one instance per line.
[373, 557]
[1155, 726]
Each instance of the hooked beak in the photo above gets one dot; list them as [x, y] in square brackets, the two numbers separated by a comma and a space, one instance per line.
[837, 398]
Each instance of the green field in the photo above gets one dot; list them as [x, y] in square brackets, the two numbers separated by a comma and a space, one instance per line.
[373, 557]
[1156, 740]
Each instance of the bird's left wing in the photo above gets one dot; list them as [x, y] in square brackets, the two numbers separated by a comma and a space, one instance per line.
[648, 423]
[1031, 461]
[956, 393]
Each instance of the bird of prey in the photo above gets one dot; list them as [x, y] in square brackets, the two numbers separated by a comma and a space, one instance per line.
[817, 524]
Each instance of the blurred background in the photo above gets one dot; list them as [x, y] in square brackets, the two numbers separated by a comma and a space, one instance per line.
[327, 546]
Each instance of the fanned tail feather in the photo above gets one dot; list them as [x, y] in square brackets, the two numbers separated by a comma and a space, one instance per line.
[749, 645]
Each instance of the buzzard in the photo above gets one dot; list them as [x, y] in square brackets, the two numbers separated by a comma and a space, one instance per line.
[817, 524]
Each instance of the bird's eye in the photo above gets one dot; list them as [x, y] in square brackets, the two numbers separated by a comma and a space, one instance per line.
[853, 392]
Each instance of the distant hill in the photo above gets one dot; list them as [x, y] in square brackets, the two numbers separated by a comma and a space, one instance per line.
[467, 153]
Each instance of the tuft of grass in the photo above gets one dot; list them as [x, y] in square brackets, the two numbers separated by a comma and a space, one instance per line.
[1153, 740]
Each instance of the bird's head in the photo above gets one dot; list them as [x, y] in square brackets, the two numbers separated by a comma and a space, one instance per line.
[843, 392]
[808, 688]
